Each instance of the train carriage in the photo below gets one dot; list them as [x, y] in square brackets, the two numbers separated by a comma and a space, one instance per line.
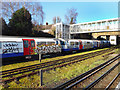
[95, 43]
[19, 46]
[87, 44]
[74, 45]
[11, 47]
[47, 46]
[71, 45]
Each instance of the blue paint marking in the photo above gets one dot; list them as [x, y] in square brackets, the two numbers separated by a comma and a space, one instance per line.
[65, 49]
[11, 55]
[71, 49]
[83, 47]
[75, 48]
[94, 46]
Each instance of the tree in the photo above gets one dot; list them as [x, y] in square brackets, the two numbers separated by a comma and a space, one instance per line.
[5, 30]
[36, 10]
[56, 20]
[21, 24]
[71, 16]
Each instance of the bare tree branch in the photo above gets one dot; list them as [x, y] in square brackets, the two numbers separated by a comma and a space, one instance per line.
[36, 10]
[71, 16]
[56, 19]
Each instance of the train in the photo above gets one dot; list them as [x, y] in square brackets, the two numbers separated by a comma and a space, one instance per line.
[28, 46]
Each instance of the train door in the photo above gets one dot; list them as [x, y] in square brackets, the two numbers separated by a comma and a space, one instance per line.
[80, 46]
[98, 44]
[29, 46]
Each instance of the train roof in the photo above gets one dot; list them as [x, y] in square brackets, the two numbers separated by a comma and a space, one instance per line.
[80, 39]
[19, 38]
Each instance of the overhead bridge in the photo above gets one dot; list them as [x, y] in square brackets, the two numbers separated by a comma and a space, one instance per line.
[107, 25]
[108, 28]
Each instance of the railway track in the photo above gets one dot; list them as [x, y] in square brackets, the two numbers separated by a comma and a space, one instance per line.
[9, 75]
[79, 80]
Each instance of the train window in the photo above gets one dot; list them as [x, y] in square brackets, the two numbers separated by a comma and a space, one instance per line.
[57, 42]
[0, 45]
[71, 43]
[41, 43]
[32, 43]
[50, 43]
[76, 43]
[62, 43]
[112, 40]
[88, 42]
[25, 43]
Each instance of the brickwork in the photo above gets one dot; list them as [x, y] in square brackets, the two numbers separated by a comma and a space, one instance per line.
[95, 35]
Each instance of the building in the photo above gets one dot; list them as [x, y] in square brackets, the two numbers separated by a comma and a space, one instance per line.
[108, 29]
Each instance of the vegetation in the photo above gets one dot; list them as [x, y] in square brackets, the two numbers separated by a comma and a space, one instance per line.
[23, 21]
[35, 8]
[60, 75]
[4, 27]
[21, 24]
[56, 20]
[17, 65]
[71, 16]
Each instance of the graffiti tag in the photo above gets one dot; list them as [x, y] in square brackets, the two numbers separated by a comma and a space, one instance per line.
[48, 49]
[10, 47]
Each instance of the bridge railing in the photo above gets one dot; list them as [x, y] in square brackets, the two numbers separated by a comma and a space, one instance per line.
[109, 25]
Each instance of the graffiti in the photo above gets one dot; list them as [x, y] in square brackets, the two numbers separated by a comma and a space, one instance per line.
[48, 49]
[10, 45]
[10, 48]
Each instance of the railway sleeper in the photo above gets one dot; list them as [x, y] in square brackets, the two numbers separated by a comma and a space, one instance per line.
[91, 85]
[59, 66]
[32, 65]
[17, 81]
[5, 85]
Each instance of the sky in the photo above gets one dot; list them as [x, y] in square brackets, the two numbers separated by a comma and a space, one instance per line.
[87, 11]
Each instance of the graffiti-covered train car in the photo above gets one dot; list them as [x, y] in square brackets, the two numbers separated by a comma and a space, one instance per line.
[19, 46]
[13, 47]
[47, 45]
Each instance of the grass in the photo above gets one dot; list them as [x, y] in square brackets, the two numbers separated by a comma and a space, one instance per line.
[59, 75]
[23, 64]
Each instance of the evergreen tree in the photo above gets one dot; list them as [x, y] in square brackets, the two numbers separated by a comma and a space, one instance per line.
[5, 30]
[21, 24]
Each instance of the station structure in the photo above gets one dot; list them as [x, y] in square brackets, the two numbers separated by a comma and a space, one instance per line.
[108, 29]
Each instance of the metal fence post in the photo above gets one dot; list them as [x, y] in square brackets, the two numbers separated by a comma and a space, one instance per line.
[40, 57]
[41, 77]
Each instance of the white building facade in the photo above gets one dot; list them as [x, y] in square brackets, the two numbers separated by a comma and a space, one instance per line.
[62, 31]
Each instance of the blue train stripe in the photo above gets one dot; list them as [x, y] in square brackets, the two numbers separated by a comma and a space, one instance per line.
[65, 49]
[11, 55]
[75, 48]
[70, 49]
